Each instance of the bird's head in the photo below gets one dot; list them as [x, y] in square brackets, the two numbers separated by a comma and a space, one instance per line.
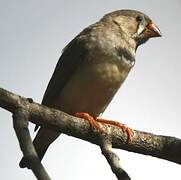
[134, 25]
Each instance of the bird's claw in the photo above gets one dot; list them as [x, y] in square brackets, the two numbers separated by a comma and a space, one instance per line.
[95, 124]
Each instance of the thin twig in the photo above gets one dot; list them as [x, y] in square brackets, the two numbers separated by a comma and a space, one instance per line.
[112, 158]
[20, 123]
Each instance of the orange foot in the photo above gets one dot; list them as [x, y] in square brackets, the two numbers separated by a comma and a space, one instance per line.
[95, 123]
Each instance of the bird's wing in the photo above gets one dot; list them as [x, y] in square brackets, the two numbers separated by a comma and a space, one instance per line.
[72, 56]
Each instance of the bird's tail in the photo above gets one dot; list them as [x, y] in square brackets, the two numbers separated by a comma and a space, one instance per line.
[41, 143]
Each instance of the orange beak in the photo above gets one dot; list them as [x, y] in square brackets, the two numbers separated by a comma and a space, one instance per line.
[152, 31]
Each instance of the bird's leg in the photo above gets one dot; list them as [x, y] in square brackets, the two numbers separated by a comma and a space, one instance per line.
[89, 118]
[125, 128]
[94, 122]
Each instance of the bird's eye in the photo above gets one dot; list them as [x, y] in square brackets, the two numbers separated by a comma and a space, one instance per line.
[139, 18]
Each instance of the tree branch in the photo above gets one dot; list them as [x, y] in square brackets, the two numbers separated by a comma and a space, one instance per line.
[165, 147]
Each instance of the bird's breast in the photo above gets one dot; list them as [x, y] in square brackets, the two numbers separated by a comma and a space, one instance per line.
[92, 87]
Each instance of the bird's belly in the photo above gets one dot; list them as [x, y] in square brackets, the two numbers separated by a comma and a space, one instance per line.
[91, 88]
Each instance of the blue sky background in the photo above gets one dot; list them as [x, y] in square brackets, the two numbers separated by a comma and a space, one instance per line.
[32, 35]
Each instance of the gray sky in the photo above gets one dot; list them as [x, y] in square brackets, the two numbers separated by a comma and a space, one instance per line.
[32, 35]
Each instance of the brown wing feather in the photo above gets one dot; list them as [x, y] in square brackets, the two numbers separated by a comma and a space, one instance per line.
[71, 58]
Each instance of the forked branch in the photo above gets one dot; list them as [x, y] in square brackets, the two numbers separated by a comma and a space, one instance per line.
[164, 147]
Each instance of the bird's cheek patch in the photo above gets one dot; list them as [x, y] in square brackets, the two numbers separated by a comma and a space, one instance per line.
[140, 29]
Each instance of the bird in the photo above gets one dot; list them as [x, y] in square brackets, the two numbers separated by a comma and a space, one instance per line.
[92, 68]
